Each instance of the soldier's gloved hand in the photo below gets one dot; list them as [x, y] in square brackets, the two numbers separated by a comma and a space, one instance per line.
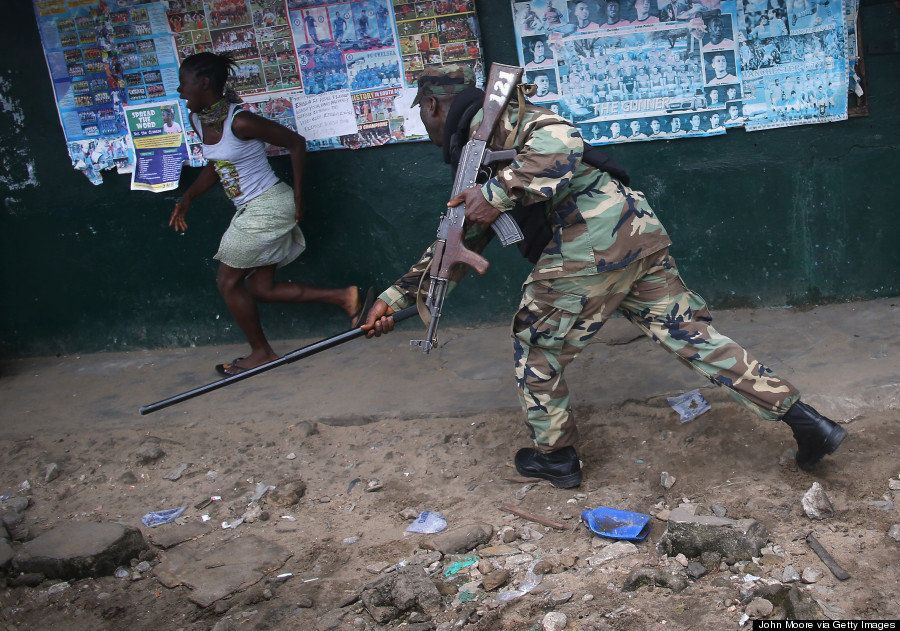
[478, 209]
[379, 320]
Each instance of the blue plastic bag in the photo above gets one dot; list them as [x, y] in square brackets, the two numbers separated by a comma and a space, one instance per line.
[616, 524]
[158, 518]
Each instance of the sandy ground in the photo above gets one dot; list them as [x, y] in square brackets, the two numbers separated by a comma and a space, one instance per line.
[439, 433]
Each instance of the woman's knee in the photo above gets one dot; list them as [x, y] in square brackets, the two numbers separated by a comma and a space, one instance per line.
[228, 279]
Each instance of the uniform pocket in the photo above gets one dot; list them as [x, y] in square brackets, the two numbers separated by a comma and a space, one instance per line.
[546, 315]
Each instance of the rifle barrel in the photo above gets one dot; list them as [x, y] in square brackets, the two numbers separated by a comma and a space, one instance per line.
[289, 358]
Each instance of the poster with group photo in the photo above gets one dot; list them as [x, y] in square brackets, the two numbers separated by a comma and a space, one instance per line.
[638, 70]
[320, 67]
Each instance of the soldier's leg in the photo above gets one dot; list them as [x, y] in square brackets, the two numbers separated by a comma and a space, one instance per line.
[555, 321]
[678, 319]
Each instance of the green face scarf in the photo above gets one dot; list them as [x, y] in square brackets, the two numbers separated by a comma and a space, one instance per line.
[215, 114]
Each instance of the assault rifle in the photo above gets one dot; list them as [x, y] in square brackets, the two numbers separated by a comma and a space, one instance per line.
[449, 249]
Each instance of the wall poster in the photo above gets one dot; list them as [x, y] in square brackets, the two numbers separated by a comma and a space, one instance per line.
[340, 72]
[636, 70]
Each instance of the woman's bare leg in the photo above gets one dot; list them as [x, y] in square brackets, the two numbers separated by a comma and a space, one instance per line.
[262, 286]
[242, 306]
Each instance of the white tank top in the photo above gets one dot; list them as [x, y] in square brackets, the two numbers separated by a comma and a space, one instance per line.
[242, 165]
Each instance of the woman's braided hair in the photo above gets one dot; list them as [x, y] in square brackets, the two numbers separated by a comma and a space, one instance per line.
[217, 68]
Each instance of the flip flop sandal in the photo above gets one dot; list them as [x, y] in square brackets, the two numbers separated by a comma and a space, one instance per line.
[366, 303]
[230, 369]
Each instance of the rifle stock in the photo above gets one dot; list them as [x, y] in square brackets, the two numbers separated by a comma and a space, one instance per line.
[289, 358]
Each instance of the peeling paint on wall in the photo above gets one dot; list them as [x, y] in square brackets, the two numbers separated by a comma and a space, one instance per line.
[16, 161]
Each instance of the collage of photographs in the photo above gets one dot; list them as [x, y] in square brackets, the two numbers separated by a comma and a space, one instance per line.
[633, 70]
[255, 33]
[436, 32]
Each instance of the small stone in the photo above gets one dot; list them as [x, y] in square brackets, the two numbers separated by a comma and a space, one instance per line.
[816, 504]
[667, 480]
[51, 472]
[695, 570]
[58, 587]
[543, 567]
[790, 575]
[560, 596]
[681, 559]
[613, 551]
[495, 580]
[811, 575]
[462, 539]
[142, 567]
[485, 567]
[175, 474]
[587, 598]
[374, 485]
[759, 608]
[305, 429]
[509, 535]
[409, 513]
[287, 494]
[718, 510]
[894, 485]
[128, 478]
[291, 456]
[663, 515]
[528, 548]
[663, 577]
[149, 452]
[349, 541]
[894, 532]
[554, 621]
[28, 579]
[710, 560]
[377, 568]
[305, 602]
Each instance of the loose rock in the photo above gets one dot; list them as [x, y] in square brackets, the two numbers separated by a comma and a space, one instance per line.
[543, 567]
[811, 575]
[176, 473]
[711, 560]
[409, 513]
[718, 510]
[695, 570]
[407, 589]
[495, 580]
[128, 477]
[654, 576]
[461, 540]
[894, 532]
[51, 472]
[58, 587]
[681, 559]
[305, 429]
[80, 549]
[554, 621]
[816, 504]
[377, 568]
[149, 452]
[305, 602]
[510, 535]
[613, 551]
[759, 608]
[560, 596]
[666, 480]
[790, 575]
[693, 535]
[287, 494]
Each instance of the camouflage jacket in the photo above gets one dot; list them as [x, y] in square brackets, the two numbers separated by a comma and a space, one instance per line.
[599, 225]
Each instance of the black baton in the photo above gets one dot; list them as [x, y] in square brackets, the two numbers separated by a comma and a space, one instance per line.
[289, 358]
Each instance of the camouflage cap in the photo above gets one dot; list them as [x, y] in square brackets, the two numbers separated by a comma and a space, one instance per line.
[441, 80]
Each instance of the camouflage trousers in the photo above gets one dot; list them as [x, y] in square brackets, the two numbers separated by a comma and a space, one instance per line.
[558, 317]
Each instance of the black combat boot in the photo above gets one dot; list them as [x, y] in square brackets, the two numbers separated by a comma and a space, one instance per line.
[816, 435]
[560, 467]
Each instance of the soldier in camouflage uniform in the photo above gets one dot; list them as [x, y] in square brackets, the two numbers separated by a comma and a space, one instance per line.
[608, 252]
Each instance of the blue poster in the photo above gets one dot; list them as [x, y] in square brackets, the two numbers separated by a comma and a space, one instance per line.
[666, 69]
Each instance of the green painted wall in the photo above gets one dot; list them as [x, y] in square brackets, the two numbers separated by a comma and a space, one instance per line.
[789, 216]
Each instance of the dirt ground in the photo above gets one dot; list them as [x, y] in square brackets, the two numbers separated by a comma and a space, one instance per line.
[460, 466]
